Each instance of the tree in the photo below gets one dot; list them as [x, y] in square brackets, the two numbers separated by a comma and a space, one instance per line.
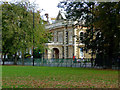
[108, 20]
[17, 28]
[0, 30]
[103, 26]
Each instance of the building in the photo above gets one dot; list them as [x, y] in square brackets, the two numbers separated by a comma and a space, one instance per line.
[66, 40]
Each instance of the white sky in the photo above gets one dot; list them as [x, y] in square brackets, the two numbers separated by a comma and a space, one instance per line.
[48, 6]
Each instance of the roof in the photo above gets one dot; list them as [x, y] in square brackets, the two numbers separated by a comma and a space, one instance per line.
[61, 16]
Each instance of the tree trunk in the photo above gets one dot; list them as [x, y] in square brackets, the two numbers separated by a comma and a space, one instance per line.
[22, 57]
[15, 59]
[109, 62]
[110, 53]
[3, 59]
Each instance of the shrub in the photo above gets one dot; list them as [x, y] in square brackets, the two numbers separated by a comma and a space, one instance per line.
[27, 55]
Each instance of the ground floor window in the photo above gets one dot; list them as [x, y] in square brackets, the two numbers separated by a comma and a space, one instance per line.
[81, 52]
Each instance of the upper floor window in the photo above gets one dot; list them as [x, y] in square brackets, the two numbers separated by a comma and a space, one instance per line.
[70, 37]
[67, 37]
[60, 37]
[55, 36]
[81, 36]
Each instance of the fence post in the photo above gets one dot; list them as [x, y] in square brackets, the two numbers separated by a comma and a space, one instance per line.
[48, 62]
[71, 62]
[57, 62]
[66, 62]
[39, 62]
[61, 62]
[42, 61]
[80, 63]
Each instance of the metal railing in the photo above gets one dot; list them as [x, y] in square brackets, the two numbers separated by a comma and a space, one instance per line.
[56, 63]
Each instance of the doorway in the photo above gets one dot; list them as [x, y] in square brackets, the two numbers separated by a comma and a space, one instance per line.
[55, 53]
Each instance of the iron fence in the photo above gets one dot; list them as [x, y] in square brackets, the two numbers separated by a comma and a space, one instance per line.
[56, 63]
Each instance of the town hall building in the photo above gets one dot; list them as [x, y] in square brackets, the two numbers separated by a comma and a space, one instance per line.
[66, 40]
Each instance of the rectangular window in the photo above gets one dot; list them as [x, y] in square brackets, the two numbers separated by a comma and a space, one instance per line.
[67, 51]
[63, 51]
[67, 37]
[81, 37]
[55, 36]
[81, 52]
[70, 37]
[60, 37]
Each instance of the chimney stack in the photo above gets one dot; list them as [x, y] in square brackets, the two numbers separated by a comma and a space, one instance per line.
[46, 14]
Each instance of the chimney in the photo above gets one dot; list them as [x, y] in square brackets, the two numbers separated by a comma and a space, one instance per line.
[46, 14]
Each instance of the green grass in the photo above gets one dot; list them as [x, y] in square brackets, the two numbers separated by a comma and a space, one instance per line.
[57, 77]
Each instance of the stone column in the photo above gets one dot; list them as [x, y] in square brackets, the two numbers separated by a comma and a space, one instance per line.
[75, 46]
[64, 42]
[60, 52]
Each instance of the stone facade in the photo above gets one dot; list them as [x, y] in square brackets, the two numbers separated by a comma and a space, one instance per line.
[65, 42]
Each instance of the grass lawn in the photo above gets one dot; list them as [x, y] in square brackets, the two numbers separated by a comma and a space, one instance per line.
[57, 77]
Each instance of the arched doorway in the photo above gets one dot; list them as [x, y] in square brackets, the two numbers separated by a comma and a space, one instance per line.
[55, 53]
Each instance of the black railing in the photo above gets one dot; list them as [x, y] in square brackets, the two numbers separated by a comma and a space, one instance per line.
[58, 63]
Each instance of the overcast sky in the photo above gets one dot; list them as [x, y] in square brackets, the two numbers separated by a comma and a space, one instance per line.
[48, 6]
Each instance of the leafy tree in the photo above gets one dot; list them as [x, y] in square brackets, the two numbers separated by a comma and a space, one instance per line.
[17, 29]
[16, 19]
[103, 26]
[0, 30]
[108, 21]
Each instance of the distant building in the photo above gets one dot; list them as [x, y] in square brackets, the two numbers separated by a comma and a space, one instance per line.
[65, 42]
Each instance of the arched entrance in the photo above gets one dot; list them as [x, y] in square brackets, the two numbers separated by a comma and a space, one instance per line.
[55, 53]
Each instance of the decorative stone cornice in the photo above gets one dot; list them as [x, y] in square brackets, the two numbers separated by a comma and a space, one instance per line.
[59, 24]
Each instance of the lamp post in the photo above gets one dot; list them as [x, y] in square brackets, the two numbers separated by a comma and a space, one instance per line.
[33, 36]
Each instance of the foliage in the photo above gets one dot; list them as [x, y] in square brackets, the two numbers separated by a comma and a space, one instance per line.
[16, 28]
[15, 22]
[103, 27]
[18, 32]
[108, 20]
[27, 55]
[38, 53]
